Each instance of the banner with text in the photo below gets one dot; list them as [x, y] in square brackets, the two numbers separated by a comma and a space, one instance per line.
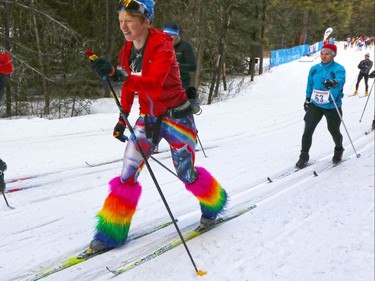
[282, 56]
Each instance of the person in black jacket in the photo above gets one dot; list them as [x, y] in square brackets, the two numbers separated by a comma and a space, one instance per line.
[186, 62]
[3, 167]
[364, 69]
[184, 53]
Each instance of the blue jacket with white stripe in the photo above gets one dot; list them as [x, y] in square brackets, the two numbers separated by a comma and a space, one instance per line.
[320, 72]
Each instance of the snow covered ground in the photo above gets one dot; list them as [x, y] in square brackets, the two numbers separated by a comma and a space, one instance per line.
[304, 227]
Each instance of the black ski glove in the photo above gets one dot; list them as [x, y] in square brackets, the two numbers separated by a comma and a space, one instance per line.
[306, 104]
[105, 69]
[330, 83]
[120, 75]
[192, 95]
[118, 131]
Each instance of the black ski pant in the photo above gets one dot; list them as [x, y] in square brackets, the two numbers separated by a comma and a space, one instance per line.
[360, 76]
[312, 118]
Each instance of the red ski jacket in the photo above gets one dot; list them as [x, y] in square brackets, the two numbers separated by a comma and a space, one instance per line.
[5, 64]
[159, 87]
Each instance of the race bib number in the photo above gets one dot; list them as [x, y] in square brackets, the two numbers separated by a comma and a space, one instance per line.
[320, 97]
[137, 73]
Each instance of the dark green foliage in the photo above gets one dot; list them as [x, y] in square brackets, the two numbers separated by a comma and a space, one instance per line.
[47, 38]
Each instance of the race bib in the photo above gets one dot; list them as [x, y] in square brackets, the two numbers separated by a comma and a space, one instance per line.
[137, 73]
[320, 97]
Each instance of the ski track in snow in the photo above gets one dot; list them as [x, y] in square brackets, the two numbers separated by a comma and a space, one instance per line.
[304, 228]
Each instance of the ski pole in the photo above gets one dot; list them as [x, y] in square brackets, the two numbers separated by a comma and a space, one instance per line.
[6, 201]
[342, 120]
[157, 161]
[93, 57]
[165, 167]
[360, 120]
[355, 79]
[199, 140]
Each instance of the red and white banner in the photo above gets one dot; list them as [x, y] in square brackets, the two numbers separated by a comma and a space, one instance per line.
[327, 33]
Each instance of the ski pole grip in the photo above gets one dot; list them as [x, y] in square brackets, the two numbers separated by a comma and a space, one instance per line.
[91, 55]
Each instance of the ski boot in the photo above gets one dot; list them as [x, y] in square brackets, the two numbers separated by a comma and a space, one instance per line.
[303, 159]
[366, 93]
[355, 92]
[206, 223]
[96, 247]
[337, 156]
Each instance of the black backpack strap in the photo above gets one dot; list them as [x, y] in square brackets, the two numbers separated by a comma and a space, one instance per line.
[156, 132]
[153, 131]
[147, 127]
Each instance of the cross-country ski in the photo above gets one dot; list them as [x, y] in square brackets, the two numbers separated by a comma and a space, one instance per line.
[72, 261]
[190, 234]
[369, 131]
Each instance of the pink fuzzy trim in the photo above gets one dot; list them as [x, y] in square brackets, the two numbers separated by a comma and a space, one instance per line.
[129, 193]
[203, 184]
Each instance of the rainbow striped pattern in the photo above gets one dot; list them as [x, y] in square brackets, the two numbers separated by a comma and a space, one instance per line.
[185, 134]
[212, 197]
[115, 217]
[175, 128]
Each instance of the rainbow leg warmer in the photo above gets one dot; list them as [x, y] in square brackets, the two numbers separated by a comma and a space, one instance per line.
[212, 197]
[115, 217]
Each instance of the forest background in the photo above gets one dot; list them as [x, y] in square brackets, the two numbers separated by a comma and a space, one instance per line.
[47, 40]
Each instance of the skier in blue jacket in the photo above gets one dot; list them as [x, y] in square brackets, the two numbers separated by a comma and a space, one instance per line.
[325, 80]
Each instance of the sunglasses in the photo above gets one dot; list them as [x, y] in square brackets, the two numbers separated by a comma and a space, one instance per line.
[132, 6]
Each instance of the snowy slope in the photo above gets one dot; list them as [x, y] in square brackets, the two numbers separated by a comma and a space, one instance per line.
[304, 227]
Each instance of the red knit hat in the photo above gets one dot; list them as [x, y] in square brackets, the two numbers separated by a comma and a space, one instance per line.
[330, 48]
[5, 64]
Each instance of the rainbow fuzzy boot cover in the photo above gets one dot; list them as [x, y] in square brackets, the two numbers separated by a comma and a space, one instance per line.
[212, 197]
[115, 217]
